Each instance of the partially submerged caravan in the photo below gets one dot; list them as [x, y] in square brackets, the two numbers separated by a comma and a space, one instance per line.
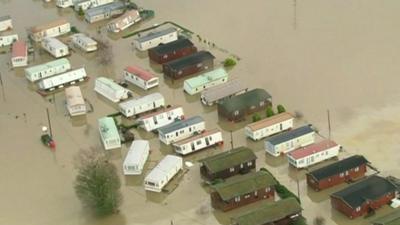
[109, 133]
[75, 102]
[140, 105]
[153, 39]
[87, 4]
[58, 81]
[156, 120]
[206, 80]
[123, 22]
[8, 39]
[198, 142]
[218, 93]
[140, 77]
[269, 126]
[136, 157]
[55, 47]
[111, 90]
[48, 69]
[180, 130]
[5, 23]
[166, 169]
[52, 29]
[84, 42]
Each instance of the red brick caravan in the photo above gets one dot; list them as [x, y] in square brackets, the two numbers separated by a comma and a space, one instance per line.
[174, 50]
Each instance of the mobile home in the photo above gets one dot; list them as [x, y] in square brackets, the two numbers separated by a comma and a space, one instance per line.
[84, 42]
[198, 142]
[206, 80]
[5, 23]
[313, 154]
[180, 130]
[104, 12]
[143, 104]
[111, 90]
[161, 118]
[52, 29]
[58, 81]
[19, 54]
[65, 3]
[55, 47]
[140, 77]
[109, 133]
[125, 21]
[48, 69]
[289, 140]
[136, 157]
[88, 4]
[166, 169]
[223, 91]
[171, 51]
[8, 39]
[269, 126]
[76, 105]
[154, 39]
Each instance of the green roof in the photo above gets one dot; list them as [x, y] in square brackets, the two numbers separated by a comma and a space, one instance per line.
[245, 100]
[228, 159]
[269, 212]
[108, 129]
[45, 66]
[392, 218]
[244, 184]
[207, 77]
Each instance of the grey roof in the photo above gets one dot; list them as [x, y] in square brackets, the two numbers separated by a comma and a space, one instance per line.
[105, 8]
[338, 167]
[244, 101]
[153, 35]
[288, 135]
[7, 17]
[172, 46]
[371, 188]
[189, 60]
[180, 124]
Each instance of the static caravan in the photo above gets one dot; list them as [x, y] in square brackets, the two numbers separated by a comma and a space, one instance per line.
[154, 39]
[171, 51]
[55, 47]
[8, 39]
[289, 140]
[143, 104]
[104, 12]
[198, 142]
[88, 4]
[313, 154]
[206, 80]
[136, 157]
[111, 90]
[5, 23]
[76, 105]
[58, 81]
[223, 91]
[65, 3]
[19, 54]
[181, 129]
[166, 169]
[109, 133]
[53, 29]
[140, 77]
[156, 120]
[84, 42]
[123, 22]
[48, 69]
[269, 126]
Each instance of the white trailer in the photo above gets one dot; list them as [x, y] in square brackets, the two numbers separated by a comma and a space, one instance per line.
[8, 39]
[76, 105]
[65, 3]
[136, 157]
[313, 154]
[218, 93]
[205, 80]
[58, 81]
[109, 133]
[198, 142]
[111, 90]
[269, 126]
[123, 22]
[48, 69]
[140, 77]
[87, 4]
[52, 29]
[5, 23]
[84, 42]
[154, 39]
[55, 47]
[166, 169]
[106, 11]
[180, 130]
[140, 105]
[156, 120]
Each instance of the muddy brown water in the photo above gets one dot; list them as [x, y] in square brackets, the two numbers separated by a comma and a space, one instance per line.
[319, 55]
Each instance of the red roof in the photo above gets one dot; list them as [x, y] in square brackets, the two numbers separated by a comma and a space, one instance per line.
[143, 74]
[19, 49]
[311, 149]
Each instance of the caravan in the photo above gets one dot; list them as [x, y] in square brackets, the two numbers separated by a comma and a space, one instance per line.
[136, 157]
[55, 47]
[163, 173]
[206, 80]
[180, 130]
[140, 77]
[84, 42]
[48, 69]
[198, 142]
[218, 93]
[111, 90]
[75, 102]
[58, 81]
[166, 116]
[143, 104]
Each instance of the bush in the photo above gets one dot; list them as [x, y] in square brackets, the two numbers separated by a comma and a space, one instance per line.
[280, 109]
[280, 189]
[256, 117]
[270, 111]
[74, 29]
[229, 62]
[81, 12]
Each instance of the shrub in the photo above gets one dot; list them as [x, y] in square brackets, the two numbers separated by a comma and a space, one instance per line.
[81, 12]
[280, 109]
[74, 29]
[229, 62]
[256, 117]
[270, 111]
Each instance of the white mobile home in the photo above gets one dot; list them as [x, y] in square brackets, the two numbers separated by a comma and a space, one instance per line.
[55, 47]
[109, 133]
[65, 3]
[84, 42]
[180, 130]
[19, 54]
[123, 22]
[136, 157]
[48, 69]
[140, 77]
[58, 81]
[206, 80]
[166, 169]
[111, 90]
[166, 116]
[313, 154]
[104, 12]
[140, 105]
[198, 142]
[221, 92]
[5, 23]
[269, 126]
[154, 39]
[53, 29]
[75, 102]
[8, 39]
[290, 140]
[88, 4]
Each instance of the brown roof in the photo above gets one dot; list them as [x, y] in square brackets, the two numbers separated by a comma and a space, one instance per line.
[52, 24]
[270, 121]
[206, 133]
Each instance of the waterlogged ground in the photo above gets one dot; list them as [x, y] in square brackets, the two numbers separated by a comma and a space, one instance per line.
[311, 55]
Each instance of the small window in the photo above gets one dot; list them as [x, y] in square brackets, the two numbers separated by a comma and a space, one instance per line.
[268, 189]
[249, 163]
[236, 113]
[232, 169]
[198, 142]
[341, 174]
[358, 209]
[356, 169]
[237, 199]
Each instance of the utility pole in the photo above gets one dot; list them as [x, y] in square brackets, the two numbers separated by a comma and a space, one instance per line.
[329, 125]
[2, 88]
[298, 188]
[48, 120]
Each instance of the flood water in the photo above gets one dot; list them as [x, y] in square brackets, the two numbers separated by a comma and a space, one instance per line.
[311, 55]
